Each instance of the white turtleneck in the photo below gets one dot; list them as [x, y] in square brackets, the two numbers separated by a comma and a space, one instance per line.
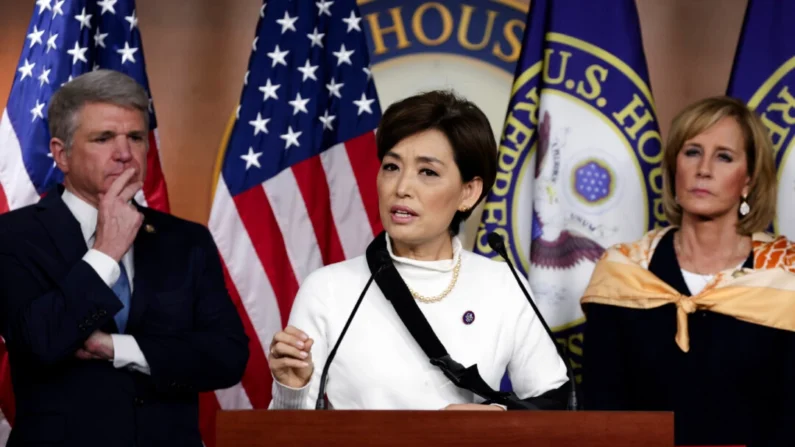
[380, 366]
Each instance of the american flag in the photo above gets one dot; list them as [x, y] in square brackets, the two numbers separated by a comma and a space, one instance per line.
[296, 187]
[65, 39]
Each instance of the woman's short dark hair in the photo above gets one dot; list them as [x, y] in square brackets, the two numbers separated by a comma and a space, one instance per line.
[462, 122]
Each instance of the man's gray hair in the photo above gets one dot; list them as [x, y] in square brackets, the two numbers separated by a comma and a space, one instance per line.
[100, 86]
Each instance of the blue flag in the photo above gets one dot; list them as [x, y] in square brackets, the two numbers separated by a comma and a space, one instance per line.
[579, 158]
[763, 76]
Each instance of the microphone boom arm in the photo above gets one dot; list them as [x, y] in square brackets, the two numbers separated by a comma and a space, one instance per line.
[497, 244]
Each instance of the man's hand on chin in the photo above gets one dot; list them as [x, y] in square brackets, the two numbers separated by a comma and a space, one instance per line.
[98, 346]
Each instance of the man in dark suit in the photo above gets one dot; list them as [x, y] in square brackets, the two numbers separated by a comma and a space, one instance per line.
[115, 316]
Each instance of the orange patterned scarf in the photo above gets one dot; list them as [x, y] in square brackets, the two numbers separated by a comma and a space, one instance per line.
[763, 295]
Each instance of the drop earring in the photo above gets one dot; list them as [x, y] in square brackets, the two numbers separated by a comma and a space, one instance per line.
[745, 208]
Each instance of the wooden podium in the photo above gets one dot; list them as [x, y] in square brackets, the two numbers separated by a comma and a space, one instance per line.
[255, 428]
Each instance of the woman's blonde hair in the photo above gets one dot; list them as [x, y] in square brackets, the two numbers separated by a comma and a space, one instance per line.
[696, 118]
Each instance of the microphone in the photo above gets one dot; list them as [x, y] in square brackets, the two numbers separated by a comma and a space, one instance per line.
[497, 243]
[320, 403]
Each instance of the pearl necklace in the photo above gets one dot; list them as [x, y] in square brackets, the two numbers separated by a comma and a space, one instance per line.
[437, 298]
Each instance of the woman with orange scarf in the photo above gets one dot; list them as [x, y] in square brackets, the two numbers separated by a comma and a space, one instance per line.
[699, 318]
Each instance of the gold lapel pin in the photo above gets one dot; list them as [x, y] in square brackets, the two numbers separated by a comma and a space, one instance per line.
[149, 228]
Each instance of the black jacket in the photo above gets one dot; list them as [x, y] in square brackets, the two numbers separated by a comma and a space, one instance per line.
[736, 386]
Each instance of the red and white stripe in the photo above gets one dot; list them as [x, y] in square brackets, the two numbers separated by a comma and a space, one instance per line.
[14, 180]
[320, 211]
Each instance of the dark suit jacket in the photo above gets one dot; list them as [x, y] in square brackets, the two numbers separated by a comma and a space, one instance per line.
[181, 316]
[736, 385]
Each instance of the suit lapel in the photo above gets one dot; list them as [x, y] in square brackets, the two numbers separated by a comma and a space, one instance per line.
[62, 227]
[145, 251]
[64, 230]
